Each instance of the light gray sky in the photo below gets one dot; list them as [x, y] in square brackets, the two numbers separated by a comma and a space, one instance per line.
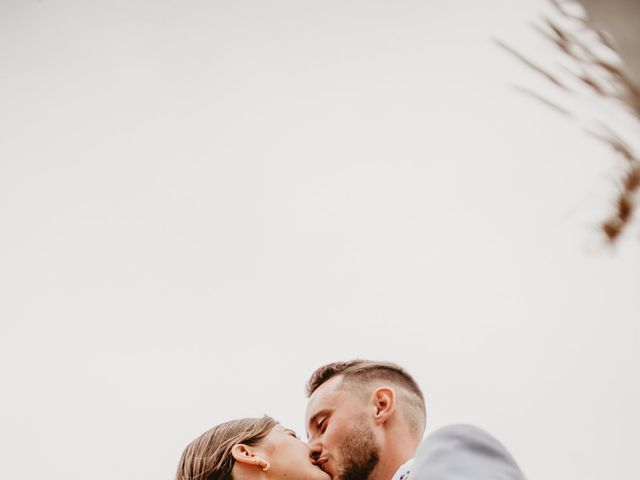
[203, 201]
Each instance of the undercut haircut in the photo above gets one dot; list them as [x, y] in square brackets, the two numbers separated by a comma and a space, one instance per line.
[362, 372]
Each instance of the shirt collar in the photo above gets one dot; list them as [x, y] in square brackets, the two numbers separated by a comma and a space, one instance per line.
[403, 472]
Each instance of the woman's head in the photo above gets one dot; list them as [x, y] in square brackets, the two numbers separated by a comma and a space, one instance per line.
[248, 449]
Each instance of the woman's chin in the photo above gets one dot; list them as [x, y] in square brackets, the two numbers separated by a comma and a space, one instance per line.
[320, 474]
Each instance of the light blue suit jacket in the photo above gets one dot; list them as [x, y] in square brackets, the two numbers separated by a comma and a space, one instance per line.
[463, 452]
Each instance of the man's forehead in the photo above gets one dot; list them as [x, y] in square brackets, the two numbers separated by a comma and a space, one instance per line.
[325, 396]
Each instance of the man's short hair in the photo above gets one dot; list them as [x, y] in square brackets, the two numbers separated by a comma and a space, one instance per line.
[361, 372]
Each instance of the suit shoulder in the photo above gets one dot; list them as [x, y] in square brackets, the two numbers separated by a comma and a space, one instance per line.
[461, 433]
[460, 428]
[464, 448]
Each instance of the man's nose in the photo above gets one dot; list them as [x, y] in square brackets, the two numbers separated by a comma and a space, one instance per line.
[315, 449]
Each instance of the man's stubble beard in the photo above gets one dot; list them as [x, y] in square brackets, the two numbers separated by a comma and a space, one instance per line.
[359, 453]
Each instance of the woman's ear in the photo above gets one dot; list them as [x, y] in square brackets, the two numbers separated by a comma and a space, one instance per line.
[384, 401]
[244, 455]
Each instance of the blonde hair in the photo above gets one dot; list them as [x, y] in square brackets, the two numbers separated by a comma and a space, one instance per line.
[209, 457]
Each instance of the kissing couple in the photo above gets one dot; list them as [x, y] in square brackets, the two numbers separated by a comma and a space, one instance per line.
[365, 420]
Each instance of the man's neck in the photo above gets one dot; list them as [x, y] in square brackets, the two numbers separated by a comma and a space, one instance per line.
[393, 456]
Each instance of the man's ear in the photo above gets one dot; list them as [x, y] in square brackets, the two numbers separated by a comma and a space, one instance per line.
[384, 401]
[245, 455]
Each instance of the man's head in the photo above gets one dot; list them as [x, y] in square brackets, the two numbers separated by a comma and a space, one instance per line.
[363, 417]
